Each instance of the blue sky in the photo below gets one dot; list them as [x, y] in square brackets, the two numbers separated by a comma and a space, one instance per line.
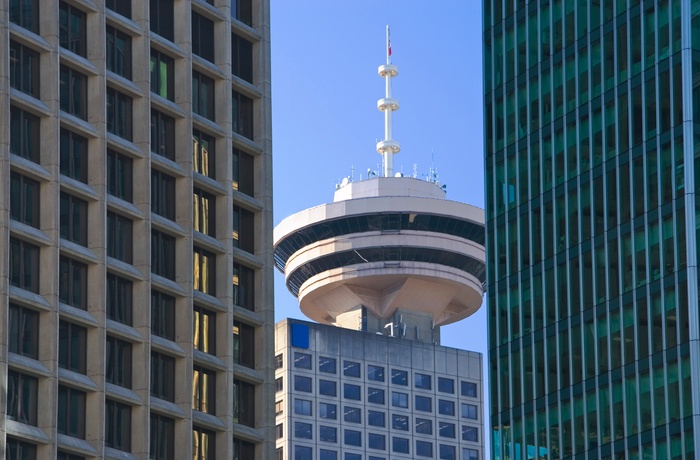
[325, 87]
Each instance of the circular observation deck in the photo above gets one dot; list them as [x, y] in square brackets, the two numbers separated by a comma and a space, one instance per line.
[385, 243]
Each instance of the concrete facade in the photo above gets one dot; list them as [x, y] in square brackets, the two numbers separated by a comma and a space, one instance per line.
[109, 263]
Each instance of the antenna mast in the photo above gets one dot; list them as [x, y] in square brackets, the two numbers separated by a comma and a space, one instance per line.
[388, 147]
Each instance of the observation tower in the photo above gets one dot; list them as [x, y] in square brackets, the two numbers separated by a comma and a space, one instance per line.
[390, 254]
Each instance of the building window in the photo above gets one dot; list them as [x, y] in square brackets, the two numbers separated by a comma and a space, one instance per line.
[446, 385]
[327, 434]
[118, 362]
[303, 430]
[18, 450]
[117, 425]
[162, 18]
[73, 219]
[326, 364]
[163, 376]
[351, 392]
[162, 75]
[399, 399]
[352, 414]
[243, 450]
[162, 445]
[325, 454]
[302, 407]
[424, 449]
[244, 287]
[119, 299]
[375, 373]
[351, 456]
[119, 237]
[119, 175]
[24, 265]
[469, 389]
[470, 433]
[447, 430]
[423, 404]
[351, 369]
[24, 134]
[25, 13]
[243, 344]
[202, 37]
[66, 456]
[375, 395]
[204, 212]
[162, 315]
[327, 411]
[302, 384]
[302, 452]
[72, 29]
[204, 271]
[424, 426]
[119, 114]
[72, 342]
[162, 134]
[470, 454]
[73, 155]
[21, 397]
[279, 363]
[203, 441]
[162, 194]
[279, 407]
[71, 412]
[376, 418]
[446, 407]
[399, 422]
[243, 229]
[399, 377]
[24, 200]
[399, 445]
[376, 441]
[469, 411]
[243, 403]
[242, 109]
[72, 283]
[302, 360]
[122, 7]
[203, 150]
[203, 95]
[118, 52]
[448, 452]
[163, 254]
[423, 381]
[279, 384]
[23, 331]
[242, 58]
[73, 92]
[353, 438]
[242, 10]
[243, 172]
[24, 69]
[204, 333]
[279, 431]
[203, 390]
[327, 388]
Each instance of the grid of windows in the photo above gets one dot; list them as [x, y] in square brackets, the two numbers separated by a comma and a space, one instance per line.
[586, 173]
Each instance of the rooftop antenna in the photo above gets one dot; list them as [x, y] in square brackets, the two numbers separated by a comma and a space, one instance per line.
[388, 147]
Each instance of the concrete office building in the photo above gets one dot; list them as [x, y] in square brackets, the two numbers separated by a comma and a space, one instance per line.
[135, 140]
[381, 268]
[591, 161]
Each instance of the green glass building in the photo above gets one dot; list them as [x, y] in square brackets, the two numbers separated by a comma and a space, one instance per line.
[592, 144]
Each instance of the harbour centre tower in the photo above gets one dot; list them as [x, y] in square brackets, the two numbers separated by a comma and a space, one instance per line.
[590, 156]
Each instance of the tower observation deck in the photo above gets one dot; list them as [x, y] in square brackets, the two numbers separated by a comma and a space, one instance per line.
[387, 253]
